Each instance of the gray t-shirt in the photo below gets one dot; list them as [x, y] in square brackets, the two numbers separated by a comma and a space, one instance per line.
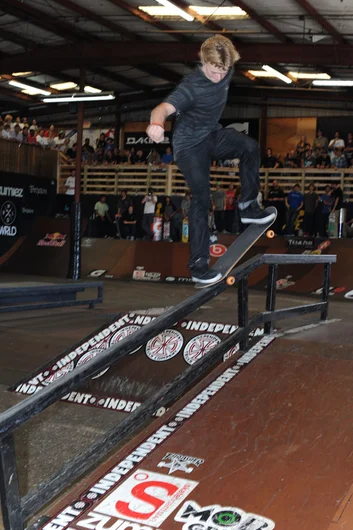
[218, 199]
[199, 103]
[186, 205]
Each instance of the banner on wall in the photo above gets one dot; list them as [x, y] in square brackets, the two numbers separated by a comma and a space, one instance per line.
[140, 140]
[249, 127]
[22, 197]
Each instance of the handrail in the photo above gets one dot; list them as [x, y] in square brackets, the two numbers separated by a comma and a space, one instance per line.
[21, 412]
[15, 509]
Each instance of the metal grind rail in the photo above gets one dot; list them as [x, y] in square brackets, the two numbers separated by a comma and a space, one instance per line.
[16, 509]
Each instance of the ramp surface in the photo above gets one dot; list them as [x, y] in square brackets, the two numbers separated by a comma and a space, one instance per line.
[254, 446]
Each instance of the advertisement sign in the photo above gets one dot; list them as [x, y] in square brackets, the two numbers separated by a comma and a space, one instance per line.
[22, 197]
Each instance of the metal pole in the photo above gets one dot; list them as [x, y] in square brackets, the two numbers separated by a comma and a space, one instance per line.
[9, 488]
[74, 271]
[243, 309]
[326, 289]
[117, 125]
[271, 295]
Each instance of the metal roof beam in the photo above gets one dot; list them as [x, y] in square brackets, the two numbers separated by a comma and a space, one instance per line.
[322, 21]
[135, 85]
[26, 12]
[16, 95]
[90, 15]
[262, 21]
[143, 16]
[65, 30]
[149, 54]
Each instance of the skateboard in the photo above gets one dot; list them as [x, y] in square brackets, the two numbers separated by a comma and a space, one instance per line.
[226, 263]
[166, 230]
[185, 231]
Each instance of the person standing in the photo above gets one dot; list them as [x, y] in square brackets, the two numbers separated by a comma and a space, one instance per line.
[150, 200]
[276, 198]
[123, 205]
[269, 161]
[186, 205]
[129, 220]
[198, 102]
[294, 202]
[70, 184]
[326, 203]
[169, 212]
[320, 144]
[311, 200]
[218, 200]
[101, 209]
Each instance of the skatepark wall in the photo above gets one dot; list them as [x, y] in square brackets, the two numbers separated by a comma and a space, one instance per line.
[44, 250]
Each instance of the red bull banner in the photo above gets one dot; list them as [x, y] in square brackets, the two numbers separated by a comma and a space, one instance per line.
[52, 240]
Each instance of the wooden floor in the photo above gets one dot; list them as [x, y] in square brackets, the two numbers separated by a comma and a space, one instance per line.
[268, 445]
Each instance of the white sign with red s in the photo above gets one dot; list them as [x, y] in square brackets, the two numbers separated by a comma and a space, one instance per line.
[146, 497]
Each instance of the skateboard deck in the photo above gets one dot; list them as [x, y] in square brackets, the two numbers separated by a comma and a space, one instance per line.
[238, 248]
[185, 235]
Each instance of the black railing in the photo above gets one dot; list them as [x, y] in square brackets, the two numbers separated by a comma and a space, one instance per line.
[17, 509]
[48, 296]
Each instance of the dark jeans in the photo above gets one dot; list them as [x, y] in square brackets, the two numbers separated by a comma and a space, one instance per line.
[323, 224]
[309, 223]
[219, 220]
[195, 164]
[147, 221]
[291, 216]
[229, 220]
[129, 230]
[102, 227]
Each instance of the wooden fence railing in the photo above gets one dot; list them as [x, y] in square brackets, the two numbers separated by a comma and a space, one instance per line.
[27, 159]
[170, 181]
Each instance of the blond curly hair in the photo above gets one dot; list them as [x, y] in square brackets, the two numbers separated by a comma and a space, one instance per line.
[220, 52]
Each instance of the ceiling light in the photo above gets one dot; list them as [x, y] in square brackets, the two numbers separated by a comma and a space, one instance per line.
[34, 91]
[77, 97]
[31, 92]
[309, 75]
[68, 85]
[332, 82]
[175, 10]
[277, 74]
[226, 11]
[223, 12]
[19, 74]
[260, 73]
[92, 90]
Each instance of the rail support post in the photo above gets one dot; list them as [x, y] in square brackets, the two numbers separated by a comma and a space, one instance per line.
[9, 488]
[271, 295]
[243, 309]
[326, 290]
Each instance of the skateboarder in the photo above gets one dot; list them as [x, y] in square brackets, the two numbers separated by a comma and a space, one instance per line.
[198, 138]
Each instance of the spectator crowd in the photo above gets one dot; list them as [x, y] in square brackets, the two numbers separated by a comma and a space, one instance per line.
[300, 213]
[104, 152]
[336, 153]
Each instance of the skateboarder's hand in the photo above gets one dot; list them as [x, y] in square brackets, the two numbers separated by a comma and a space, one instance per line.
[155, 132]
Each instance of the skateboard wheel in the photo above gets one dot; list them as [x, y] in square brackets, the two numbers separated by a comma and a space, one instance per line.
[270, 234]
[230, 280]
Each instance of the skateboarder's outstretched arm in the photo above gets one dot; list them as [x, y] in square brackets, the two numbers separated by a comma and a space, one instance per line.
[155, 130]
